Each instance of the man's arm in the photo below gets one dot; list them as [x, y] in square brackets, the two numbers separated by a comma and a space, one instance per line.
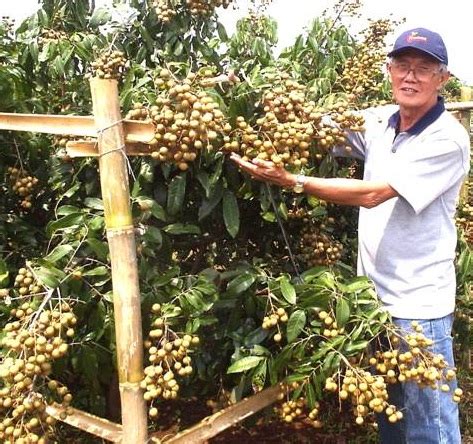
[354, 192]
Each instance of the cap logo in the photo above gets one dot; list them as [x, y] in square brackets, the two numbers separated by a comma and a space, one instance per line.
[415, 37]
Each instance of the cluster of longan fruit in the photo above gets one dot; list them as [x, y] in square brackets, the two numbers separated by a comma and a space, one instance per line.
[22, 185]
[362, 75]
[187, 119]
[169, 358]
[273, 319]
[52, 35]
[26, 283]
[416, 364]
[290, 410]
[366, 392]
[164, 11]
[464, 216]
[318, 248]
[110, 64]
[290, 126]
[330, 326]
[32, 341]
[205, 7]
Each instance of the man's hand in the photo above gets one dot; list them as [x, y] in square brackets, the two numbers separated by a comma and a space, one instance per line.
[265, 171]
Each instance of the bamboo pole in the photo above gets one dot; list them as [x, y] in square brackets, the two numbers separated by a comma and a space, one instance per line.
[135, 130]
[87, 422]
[120, 234]
[225, 418]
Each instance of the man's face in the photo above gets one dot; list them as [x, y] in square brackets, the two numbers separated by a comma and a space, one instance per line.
[416, 80]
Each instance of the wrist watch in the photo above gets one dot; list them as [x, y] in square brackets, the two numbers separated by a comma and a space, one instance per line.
[300, 182]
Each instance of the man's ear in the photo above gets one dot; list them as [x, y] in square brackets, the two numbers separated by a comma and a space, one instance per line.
[443, 80]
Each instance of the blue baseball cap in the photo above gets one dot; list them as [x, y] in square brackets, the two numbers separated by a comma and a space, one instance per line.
[423, 40]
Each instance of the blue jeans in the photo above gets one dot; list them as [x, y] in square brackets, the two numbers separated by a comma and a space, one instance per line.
[430, 416]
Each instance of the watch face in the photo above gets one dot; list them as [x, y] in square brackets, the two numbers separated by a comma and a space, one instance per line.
[298, 188]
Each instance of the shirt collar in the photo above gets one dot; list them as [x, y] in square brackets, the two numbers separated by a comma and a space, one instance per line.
[429, 117]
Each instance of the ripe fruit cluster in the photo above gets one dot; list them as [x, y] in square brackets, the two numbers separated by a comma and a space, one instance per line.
[52, 35]
[187, 118]
[331, 329]
[290, 126]
[317, 247]
[362, 76]
[368, 392]
[290, 410]
[273, 319]
[23, 185]
[168, 357]
[32, 341]
[26, 283]
[164, 10]
[206, 7]
[110, 64]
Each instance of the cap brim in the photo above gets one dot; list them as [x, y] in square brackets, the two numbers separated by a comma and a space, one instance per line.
[405, 48]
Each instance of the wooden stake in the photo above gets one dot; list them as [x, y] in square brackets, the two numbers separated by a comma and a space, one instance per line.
[120, 233]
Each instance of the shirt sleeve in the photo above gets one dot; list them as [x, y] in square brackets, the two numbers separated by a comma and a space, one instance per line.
[422, 173]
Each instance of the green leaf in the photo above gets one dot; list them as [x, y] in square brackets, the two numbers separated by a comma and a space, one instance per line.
[70, 221]
[310, 395]
[59, 252]
[356, 346]
[295, 325]
[176, 193]
[357, 284]
[97, 271]
[231, 213]
[99, 17]
[342, 312]
[287, 290]
[179, 228]
[245, 363]
[94, 203]
[50, 276]
[241, 283]
[215, 196]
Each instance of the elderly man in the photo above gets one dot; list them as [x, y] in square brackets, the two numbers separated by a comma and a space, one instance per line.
[416, 156]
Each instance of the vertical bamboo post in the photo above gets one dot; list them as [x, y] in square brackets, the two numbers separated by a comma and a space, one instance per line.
[120, 234]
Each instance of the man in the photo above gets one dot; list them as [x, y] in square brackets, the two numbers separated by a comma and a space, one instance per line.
[416, 157]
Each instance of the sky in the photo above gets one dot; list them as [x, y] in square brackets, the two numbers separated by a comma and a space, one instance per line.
[451, 19]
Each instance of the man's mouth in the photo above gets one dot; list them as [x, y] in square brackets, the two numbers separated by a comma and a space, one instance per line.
[409, 90]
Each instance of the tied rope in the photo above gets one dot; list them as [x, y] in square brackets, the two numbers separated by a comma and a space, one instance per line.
[121, 149]
[284, 234]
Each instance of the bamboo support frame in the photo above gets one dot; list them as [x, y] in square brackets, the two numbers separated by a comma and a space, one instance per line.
[135, 131]
[87, 422]
[218, 422]
[120, 233]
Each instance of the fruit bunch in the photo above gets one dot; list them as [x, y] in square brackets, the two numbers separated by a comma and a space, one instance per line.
[52, 35]
[317, 247]
[187, 118]
[26, 283]
[169, 357]
[33, 339]
[290, 126]
[205, 7]
[273, 319]
[406, 359]
[290, 410]
[362, 76]
[164, 10]
[22, 185]
[464, 216]
[110, 64]
[331, 329]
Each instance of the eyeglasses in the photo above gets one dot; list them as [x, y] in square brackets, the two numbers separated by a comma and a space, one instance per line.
[421, 73]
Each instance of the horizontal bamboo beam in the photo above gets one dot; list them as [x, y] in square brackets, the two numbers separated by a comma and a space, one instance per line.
[135, 131]
[459, 106]
[87, 422]
[224, 419]
[85, 148]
